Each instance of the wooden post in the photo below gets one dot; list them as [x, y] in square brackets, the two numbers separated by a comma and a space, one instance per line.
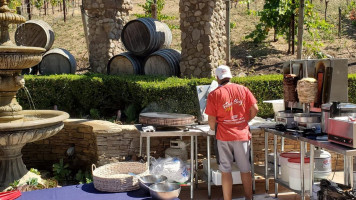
[300, 30]
[339, 32]
[18, 11]
[28, 9]
[154, 9]
[227, 26]
[85, 22]
[293, 30]
[64, 10]
[45, 7]
[326, 7]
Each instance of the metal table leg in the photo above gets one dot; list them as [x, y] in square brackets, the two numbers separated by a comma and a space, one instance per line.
[282, 144]
[140, 145]
[209, 171]
[196, 161]
[351, 171]
[266, 160]
[346, 170]
[191, 167]
[275, 165]
[148, 152]
[252, 167]
[311, 182]
[302, 155]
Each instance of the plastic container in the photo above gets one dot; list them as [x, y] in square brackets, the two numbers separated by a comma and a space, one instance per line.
[322, 167]
[294, 173]
[216, 173]
[283, 160]
[278, 104]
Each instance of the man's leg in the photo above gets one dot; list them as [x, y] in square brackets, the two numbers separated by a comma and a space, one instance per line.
[242, 157]
[225, 158]
[247, 183]
[226, 181]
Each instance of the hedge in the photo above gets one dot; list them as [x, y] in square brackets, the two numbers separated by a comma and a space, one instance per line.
[80, 94]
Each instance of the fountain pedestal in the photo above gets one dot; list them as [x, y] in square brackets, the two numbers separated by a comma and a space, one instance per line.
[11, 164]
[9, 107]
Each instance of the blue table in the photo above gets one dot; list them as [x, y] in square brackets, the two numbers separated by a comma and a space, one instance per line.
[82, 192]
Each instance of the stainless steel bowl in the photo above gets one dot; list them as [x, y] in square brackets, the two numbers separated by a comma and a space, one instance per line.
[164, 191]
[146, 181]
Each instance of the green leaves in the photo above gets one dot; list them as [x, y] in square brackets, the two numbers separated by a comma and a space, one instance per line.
[99, 95]
[277, 15]
[61, 171]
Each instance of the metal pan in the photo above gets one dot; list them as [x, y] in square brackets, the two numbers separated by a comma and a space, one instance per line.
[307, 117]
[287, 113]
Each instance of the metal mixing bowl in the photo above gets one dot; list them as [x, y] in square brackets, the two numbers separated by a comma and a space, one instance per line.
[164, 191]
[146, 181]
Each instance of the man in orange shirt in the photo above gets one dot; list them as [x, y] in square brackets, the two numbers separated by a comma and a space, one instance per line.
[229, 108]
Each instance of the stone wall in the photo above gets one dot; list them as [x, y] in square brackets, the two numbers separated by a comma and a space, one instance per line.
[103, 142]
[43, 154]
[203, 36]
[106, 19]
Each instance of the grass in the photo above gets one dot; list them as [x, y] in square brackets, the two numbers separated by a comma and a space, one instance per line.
[268, 56]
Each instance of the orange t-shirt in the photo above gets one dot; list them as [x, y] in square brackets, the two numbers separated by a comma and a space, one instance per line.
[231, 104]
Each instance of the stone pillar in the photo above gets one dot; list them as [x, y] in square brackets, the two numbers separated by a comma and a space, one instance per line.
[106, 19]
[203, 36]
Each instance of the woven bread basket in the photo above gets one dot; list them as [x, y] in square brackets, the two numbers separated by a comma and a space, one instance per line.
[114, 177]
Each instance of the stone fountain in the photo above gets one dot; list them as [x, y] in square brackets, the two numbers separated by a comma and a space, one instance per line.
[17, 126]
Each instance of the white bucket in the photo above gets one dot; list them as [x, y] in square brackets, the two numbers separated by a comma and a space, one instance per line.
[283, 160]
[294, 173]
[322, 168]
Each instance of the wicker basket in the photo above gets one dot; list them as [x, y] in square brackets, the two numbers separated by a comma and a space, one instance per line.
[114, 177]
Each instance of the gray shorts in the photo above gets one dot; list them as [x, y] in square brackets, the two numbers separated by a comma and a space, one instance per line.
[240, 150]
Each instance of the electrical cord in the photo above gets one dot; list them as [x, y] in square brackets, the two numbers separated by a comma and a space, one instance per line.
[337, 158]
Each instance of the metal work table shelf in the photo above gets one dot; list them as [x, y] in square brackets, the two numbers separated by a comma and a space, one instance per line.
[347, 152]
[189, 131]
[260, 169]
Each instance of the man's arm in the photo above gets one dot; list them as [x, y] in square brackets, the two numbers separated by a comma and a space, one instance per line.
[212, 122]
[253, 111]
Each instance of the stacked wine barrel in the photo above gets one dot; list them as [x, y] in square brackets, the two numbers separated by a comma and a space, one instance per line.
[147, 41]
[37, 33]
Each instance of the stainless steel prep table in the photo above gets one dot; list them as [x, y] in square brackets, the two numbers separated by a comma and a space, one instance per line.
[193, 132]
[347, 152]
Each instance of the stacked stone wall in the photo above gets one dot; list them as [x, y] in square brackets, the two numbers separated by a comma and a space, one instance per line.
[106, 19]
[102, 142]
[43, 154]
[203, 36]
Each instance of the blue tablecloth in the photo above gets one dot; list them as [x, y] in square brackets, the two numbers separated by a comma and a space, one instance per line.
[82, 192]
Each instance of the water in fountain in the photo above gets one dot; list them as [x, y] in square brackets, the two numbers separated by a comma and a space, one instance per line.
[17, 126]
[29, 98]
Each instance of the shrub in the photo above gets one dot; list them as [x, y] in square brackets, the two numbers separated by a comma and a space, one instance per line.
[81, 95]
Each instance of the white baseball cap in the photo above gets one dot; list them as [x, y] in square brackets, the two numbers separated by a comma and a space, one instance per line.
[222, 72]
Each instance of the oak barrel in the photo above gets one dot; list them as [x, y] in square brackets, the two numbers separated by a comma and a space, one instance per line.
[144, 36]
[163, 62]
[35, 33]
[125, 63]
[57, 61]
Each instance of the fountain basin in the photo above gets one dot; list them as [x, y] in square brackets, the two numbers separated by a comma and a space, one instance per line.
[15, 58]
[36, 125]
